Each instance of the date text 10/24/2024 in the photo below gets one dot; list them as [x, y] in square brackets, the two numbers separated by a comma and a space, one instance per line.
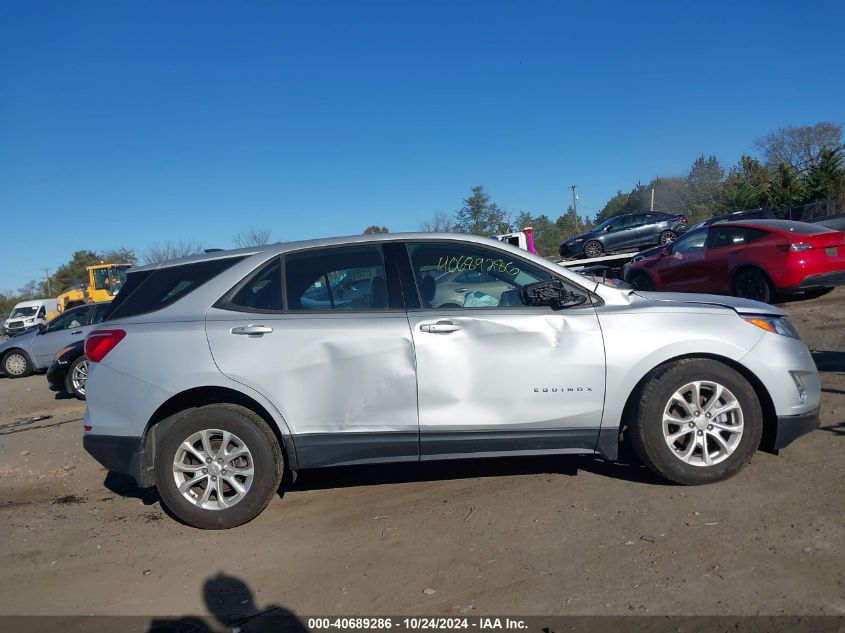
[417, 623]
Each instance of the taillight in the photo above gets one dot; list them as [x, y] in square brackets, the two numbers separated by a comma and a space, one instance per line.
[795, 248]
[101, 342]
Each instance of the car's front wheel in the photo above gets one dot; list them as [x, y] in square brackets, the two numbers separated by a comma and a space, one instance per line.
[16, 364]
[593, 248]
[77, 376]
[218, 466]
[698, 421]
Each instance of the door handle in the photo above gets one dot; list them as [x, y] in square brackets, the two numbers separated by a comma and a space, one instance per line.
[461, 290]
[75, 333]
[252, 330]
[441, 327]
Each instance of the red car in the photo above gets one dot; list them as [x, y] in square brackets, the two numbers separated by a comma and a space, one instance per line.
[755, 259]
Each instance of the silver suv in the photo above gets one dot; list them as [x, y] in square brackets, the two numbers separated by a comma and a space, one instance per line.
[214, 375]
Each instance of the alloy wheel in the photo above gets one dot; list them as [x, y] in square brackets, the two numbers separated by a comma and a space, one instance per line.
[702, 423]
[78, 377]
[592, 249]
[213, 469]
[667, 237]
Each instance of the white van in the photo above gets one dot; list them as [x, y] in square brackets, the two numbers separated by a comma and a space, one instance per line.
[29, 314]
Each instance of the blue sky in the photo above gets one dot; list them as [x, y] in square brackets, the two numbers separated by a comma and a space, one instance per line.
[130, 123]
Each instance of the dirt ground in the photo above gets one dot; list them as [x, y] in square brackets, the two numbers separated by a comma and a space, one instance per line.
[571, 535]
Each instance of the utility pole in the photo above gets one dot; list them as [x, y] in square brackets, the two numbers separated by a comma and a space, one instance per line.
[652, 198]
[575, 205]
[47, 277]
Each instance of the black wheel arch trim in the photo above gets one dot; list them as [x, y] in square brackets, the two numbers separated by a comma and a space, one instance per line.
[770, 417]
[185, 401]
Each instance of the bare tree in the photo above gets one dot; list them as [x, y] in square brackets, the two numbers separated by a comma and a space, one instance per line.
[799, 146]
[252, 237]
[171, 250]
[375, 228]
[440, 222]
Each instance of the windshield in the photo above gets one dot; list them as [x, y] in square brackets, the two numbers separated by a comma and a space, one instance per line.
[22, 313]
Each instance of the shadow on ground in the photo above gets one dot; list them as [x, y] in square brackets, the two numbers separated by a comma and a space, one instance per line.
[376, 474]
[232, 605]
[829, 361]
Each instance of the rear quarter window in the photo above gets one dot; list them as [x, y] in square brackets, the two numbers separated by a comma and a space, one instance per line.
[150, 290]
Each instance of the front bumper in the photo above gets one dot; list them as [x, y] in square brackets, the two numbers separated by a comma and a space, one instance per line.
[571, 250]
[117, 453]
[791, 427]
[56, 375]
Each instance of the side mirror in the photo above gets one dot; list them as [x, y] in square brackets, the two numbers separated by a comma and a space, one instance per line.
[552, 293]
[42, 327]
[609, 227]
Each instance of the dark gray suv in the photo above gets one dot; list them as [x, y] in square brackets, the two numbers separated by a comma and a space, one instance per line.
[621, 232]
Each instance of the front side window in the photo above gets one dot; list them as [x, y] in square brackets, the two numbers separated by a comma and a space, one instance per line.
[691, 242]
[346, 278]
[455, 275]
[70, 319]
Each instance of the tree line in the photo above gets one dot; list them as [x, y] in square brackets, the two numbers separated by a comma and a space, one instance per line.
[799, 166]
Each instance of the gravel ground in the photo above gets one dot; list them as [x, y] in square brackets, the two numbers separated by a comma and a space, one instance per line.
[563, 535]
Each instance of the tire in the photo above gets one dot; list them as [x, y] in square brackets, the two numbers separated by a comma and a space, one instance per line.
[752, 283]
[667, 237]
[247, 430]
[16, 364]
[681, 457]
[641, 281]
[77, 375]
[593, 248]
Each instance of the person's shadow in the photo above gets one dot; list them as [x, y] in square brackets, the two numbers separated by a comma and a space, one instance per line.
[231, 602]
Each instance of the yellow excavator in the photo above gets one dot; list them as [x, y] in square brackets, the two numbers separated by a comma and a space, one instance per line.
[103, 284]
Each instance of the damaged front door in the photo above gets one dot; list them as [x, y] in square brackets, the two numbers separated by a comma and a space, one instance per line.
[495, 375]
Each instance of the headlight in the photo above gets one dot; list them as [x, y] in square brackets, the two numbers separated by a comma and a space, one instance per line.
[775, 325]
[62, 351]
[578, 239]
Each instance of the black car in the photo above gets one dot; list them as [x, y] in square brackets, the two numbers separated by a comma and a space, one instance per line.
[623, 232]
[747, 214]
[69, 370]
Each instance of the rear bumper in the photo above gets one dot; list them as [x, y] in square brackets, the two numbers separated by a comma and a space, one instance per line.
[118, 454]
[822, 280]
[791, 427]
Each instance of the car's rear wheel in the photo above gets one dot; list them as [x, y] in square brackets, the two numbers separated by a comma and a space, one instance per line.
[752, 283]
[218, 466]
[593, 249]
[667, 237]
[699, 421]
[16, 364]
[77, 376]
[641, 281]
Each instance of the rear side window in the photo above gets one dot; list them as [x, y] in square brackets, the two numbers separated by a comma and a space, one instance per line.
[262, 292]
[158, 288]
[348, 278]
[724, 236]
